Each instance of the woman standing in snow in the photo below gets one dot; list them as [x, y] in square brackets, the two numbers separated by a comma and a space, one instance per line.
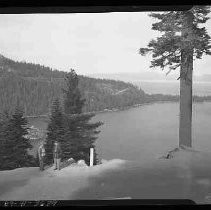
[57, 152]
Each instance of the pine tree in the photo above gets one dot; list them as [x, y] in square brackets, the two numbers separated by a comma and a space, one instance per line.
[15, 146]
[183, 40]
[80, 132]
[72, 96]
[55, 130]
[82, 136]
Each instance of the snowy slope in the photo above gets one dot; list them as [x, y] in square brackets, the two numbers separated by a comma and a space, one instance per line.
[187, 175]
[31, 184]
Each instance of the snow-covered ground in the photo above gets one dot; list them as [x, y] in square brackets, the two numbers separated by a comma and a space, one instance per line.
[32, 184]
[185, 176]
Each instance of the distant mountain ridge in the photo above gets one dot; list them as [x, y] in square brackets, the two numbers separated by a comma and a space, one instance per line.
[151, 75]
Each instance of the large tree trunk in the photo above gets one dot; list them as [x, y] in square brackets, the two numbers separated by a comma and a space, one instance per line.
[185, 124]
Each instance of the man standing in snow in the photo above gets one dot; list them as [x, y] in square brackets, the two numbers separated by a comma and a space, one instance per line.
[41, 155]
[57, 155]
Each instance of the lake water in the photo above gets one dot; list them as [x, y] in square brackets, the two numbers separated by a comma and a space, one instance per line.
[146, 131]
[150, 130]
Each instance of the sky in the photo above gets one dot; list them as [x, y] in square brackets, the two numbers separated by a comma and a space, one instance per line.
[88, 42]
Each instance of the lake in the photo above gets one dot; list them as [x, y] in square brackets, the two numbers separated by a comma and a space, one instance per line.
[150, 130]
[146, 131]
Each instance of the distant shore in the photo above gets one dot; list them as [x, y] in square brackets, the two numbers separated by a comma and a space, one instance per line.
[110, 110]
[122, 109]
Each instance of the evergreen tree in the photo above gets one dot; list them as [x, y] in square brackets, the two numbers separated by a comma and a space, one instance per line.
[73, 102]
[182, 41]
[14, 145]
[82, 135]
[55, 130]
[80, 132]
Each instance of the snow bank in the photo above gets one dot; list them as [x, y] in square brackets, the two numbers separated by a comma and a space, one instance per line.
[31, 184]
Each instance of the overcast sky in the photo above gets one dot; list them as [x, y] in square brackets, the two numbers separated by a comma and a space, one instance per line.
[88, 42]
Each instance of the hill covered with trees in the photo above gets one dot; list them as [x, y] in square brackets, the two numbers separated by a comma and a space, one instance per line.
[36, 86]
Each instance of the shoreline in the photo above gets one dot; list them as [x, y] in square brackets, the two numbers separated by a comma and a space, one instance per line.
[111, 110]
[121, 109]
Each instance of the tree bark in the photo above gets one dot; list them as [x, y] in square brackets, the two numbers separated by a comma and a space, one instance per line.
[185, 125]
[186, 72]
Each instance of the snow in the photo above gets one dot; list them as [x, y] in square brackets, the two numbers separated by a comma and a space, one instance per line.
[32, 184]
[186, 175]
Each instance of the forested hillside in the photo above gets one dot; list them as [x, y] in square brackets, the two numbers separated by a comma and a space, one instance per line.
[35, 86]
